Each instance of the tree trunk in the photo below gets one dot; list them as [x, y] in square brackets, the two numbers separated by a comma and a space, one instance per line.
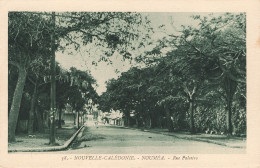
[148, 122]
[74, 117]
[31, 112]
[46, 120]
[137, 123]
[52, 128]
[53, 85]
[126, 121]
[230, 89]
[229, 115]
[81, 121]
[78, 119]
[191, 109]
[160, 122]
[127, 116]
[39, 119]
[16, 102]
[168, 118]
[153, 121]
[59, 122]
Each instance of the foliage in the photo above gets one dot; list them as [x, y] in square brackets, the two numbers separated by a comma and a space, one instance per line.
[199, 83]
[29, 50]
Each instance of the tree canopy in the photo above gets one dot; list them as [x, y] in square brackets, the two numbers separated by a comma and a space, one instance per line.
[198, 83]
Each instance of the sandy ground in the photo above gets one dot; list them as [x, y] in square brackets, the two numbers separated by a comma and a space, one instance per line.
[36, 140]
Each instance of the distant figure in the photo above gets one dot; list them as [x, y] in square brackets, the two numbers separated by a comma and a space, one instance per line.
[96, 124]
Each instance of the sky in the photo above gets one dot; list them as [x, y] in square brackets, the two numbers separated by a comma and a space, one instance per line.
[103, 72]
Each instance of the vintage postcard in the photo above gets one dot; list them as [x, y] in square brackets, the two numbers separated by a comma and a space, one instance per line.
[130, 83]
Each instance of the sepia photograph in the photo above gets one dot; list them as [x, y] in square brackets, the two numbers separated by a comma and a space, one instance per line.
[131, 86]
[127, 82]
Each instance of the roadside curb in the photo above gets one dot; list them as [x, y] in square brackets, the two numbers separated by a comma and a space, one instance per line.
[51, 148]
[186, 138]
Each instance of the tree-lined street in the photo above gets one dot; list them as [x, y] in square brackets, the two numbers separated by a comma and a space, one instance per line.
[181, 77]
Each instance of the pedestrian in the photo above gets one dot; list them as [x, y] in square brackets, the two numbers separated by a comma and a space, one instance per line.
[96, 124]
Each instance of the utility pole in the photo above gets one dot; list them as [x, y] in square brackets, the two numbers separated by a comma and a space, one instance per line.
[53, 84]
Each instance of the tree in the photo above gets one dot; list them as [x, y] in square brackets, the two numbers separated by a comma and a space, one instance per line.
[130, 94]
[225, 52]
[121, 94]
[53, 82]
[81, 90]
[191, 64]
[32, 35]
[107, 30]
[27, 42]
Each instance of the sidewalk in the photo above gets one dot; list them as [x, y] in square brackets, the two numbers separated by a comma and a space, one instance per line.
[38, 142]
[223, 140]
